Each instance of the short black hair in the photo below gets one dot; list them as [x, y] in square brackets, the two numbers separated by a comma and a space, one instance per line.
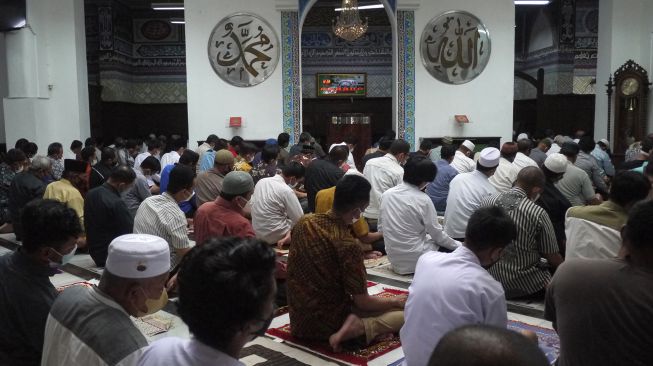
[247, 148]
[181, 177]
[76, 144]
[236, 141]
[48, 223]
[294, 169]
[153, 144]
[418, 170]
[489, 227]
[586, 144]
[447, 151]
[15, 156]
[212, 139]
[385, 143]
[569, 149]
[305, 137]
[524, 145]
[351, 139]
[189, 157]
[639, 227]
[176, 144]
[90, 142]
[20, 143]
[151, 163]
[87, 153]
[123, 174]
[647, 144]
[131, 144]
[351, 191]
[108, 154]
[283, 139]
[628, 187]
[426, 144]
[339, 153]
[484, 169]
[224, 284]
[399, 147]
[54, 148]
[30, 149]
[484, 345]
[269, 153]
[221, 144]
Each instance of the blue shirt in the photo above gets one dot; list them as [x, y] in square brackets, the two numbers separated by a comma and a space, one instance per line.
[603, 159]
[165, 177]
[207, 161]
[438, 190]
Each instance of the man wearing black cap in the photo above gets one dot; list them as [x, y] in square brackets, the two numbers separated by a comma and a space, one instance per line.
[575, 184]
[66, 190]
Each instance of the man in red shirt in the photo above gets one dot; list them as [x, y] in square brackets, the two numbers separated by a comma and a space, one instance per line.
[224, 216]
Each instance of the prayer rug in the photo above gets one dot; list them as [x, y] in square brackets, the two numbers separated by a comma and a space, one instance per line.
[359, 356]
[549, 341]
[385, 271]
[372, 263]
[262, 356]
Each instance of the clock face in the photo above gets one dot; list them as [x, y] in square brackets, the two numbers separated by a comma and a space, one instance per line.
[629, 86]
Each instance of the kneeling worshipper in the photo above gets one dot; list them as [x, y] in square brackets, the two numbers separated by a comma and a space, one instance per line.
[226, 297]
[50, 231]
[408, 219]
[451, 290]
[92, 325]
[327, 286]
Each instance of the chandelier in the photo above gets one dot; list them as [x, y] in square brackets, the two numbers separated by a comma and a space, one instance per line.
[348, 25]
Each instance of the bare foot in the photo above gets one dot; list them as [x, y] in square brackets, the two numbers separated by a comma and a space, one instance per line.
[352, 327]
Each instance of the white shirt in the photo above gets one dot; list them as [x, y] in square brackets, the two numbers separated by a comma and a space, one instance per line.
[522, 161]
[448, 291]
[383, 173]
[504, 176]
[275, 209]
[172, 351]
[466, 192]
[555, 148]
[170, 158]
[410, 227]
[589, 240]
[350, 157]
[462, 163]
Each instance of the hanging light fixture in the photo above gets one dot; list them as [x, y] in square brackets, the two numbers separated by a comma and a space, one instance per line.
[348, 25]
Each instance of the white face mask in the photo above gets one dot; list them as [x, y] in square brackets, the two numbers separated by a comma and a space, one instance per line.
[190, 196]
[537, 197]
[356, 216]
[20, 169]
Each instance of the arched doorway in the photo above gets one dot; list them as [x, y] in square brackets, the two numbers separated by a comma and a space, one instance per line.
[314, 23]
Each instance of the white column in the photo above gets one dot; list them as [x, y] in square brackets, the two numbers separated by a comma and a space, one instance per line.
[625, 32]
[47, 97]
[4, 87]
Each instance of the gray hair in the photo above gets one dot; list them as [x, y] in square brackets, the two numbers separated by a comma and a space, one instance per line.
[40, 163]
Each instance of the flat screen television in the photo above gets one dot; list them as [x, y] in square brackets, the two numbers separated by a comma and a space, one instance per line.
[13, 14]
[342, 85]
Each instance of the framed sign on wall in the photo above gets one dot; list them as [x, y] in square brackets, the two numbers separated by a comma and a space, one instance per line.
[342, 85]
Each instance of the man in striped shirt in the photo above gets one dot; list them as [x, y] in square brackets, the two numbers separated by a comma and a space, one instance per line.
[161, 216]
[520, 270]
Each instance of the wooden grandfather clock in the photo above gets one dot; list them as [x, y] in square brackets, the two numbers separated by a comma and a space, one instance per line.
[631, 86]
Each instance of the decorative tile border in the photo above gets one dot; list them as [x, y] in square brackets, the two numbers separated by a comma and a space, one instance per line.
[406, 75]
[291, 75]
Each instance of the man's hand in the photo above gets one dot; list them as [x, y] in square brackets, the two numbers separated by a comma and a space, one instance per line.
[373, 255]
[284, 241]
[281, 272]
[400, 301]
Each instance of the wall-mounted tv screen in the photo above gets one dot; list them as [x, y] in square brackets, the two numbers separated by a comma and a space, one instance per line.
[342, 85]
[13, 14]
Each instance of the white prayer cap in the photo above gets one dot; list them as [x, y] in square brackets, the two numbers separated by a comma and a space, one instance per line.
[468, 144]
[489, 157]
[605, 142]
[138, 256]
[522, 136]
[334, 145]
[556, 163]
[576, 141]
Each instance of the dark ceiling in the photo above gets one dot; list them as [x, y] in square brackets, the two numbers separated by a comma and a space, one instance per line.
[323, 13]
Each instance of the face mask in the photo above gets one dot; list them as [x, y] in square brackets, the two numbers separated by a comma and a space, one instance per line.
[293, 185]
[153, 305]
[356, 216]
[20, 169]
[266, 324]
[65, 258]
[190, 197]
[537, 197]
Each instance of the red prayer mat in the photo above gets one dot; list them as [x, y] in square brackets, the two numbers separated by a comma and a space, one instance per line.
[357, 357]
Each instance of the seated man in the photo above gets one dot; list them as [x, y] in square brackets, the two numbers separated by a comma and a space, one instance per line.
[27, 186]
[101, 171]
[275, 208]
[576, 185]
[454, 289]
[141, 189]
[161, 216]
[209, 183]
[92, 326]
[462, 160]
[506, 173]
[213, 278]
[602, 309]
[107, 216]
[408, 219]
[225, 217]
[552, 200]
[324, 173]
[50, 231]
[438, 190]
[595, 231]
[324, 307]
[482, 345]
[14, 163]
[519, 270]
[66, 190]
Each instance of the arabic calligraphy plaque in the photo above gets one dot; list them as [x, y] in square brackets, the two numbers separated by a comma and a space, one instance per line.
[455, 47]
[243, 49]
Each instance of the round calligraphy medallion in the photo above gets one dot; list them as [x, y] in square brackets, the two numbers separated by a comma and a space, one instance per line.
[243, 49]
[455, 47]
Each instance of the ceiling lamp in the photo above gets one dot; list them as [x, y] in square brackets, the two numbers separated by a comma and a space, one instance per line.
[168, 6]
[348, 25]
[532, 2]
